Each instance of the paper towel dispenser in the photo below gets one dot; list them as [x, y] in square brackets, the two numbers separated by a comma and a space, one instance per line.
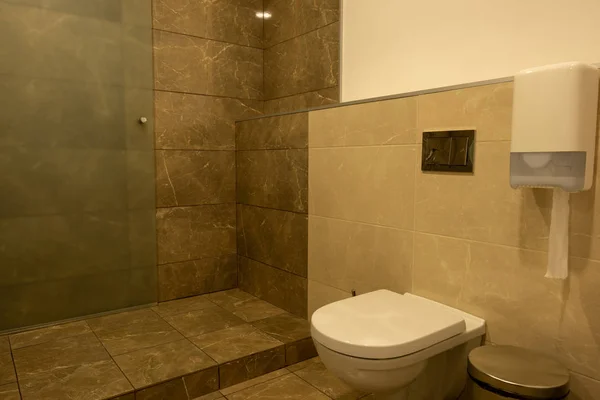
[554, 127]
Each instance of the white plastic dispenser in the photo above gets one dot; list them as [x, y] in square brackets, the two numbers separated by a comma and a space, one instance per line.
[553, 140]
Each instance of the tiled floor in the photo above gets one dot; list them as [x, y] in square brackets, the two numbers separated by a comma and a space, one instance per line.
[305, 380]
[181, 349]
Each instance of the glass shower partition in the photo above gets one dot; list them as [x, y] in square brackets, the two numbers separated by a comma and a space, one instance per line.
[77, 196]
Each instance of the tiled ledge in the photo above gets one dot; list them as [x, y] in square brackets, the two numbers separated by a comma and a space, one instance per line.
[180, 349]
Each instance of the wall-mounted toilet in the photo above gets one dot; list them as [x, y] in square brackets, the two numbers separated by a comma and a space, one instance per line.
[392, 344]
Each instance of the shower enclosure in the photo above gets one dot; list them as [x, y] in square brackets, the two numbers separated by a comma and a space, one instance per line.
[77, 186]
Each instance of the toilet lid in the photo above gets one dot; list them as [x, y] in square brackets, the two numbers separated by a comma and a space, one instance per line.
[384, 324]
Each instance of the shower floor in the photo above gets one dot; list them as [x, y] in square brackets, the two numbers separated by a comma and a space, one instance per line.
[182, 349]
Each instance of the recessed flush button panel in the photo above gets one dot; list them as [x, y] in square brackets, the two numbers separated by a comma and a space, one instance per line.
[449, 151]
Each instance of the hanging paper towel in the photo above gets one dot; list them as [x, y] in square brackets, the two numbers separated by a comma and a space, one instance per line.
[553, 142]
[558, 241]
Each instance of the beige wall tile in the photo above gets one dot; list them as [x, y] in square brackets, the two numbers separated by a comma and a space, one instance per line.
[364, 184]
[584, 388]
[579, 335]
[320, 295]
[440, 265]
[349, 255]
[488, 109]
[483, 206]
[378, 123]
[506, 287]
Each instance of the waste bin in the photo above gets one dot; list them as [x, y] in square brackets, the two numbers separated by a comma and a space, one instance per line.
[508, 372]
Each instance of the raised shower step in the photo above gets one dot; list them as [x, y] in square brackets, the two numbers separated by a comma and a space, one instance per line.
[180, 349]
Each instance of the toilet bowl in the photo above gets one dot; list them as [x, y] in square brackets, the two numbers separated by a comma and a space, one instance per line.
[392, 344]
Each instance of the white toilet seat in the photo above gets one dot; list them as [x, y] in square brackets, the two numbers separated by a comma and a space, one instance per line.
[384, 325]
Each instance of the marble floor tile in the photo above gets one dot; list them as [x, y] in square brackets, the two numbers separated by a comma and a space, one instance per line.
[318, 376]
[231, 299]
[182, 305]
[211, 396]
[304, 364]
[288, 387]
[256, 310]
[198, 322]
[285, 327]
[134, 330]
[7, 369]
[4, 343]
[234, 343]
[146, 367]
[252, 366]
[39, 361]
[43, 335]
[256, 381]
[183, 388]
[10, 392]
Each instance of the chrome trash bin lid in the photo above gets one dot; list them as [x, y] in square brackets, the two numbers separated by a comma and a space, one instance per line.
[519, 371]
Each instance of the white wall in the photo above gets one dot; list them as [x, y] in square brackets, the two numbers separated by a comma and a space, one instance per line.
[398, 46]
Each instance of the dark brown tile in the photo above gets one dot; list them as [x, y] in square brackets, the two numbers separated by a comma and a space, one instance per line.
[198, 322]
[244, 305]
[232, 21]
[304, 64]
[128, 396]
[184, 388]
[255, 381]
[300, 350]
[185, 177]
[288, 387]
[92, 381]
[303, 101]
[147, 367]
[188, 233]
[7, 369]
[4, 343]
[50, 333]
[286, 327]
[33, 362]
[296, 17]
[283, 132]
[194, 65]
[273, 179]
[189, 121]
[196, 277]
[278, 287]
[10, 391]
[252, 366]
[133, 330]
[277, 238]
[234, 343]
[318, 376]
[231, 299]
[181, 306]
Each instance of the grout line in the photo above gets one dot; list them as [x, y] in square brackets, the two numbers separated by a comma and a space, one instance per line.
[197, 150]
[298, 94]
[272, 149]
[278, 268]
[206, 38]
[14, 365]
[207, 95]
[259, 383]
[197, 205]
[272, 208]
[302, 34]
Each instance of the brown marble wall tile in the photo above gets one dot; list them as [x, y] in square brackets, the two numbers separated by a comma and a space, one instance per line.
[133, 330]
[277, 238]
[185, 178]
[304, 64]
[149, 366]
[189, 121]
[194, 65]
[187, 387]
[186, 233]
[283, 289]
[231, 21]
[10, 391]
[195, 277]
[251, 366]
[201, 321]
[296, 17]
[283, 132]
[303, 101]
[299, 350]
[50, 333]
[273, 178]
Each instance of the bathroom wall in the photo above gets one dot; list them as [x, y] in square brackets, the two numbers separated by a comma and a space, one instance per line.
[208, 72]
[469, 241]
[392, 46]
[77, 182]
[272, 197]
[301, 41]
